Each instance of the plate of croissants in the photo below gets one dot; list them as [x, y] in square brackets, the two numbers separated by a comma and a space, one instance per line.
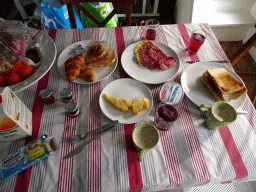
[87, 61]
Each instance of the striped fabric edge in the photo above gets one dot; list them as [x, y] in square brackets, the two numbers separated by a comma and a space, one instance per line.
[66, 166]
[235, 156]
[197, 157]
[37, 112]
[94, 121]
[37, 181]
[134, 169]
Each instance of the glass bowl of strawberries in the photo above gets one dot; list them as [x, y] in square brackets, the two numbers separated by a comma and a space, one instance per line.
[21, 72]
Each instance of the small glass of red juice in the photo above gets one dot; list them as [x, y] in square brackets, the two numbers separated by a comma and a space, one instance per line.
[197, 39]
[166, 114]
[151, 27]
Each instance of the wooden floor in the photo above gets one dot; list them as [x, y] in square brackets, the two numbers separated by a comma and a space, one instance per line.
[245, 64]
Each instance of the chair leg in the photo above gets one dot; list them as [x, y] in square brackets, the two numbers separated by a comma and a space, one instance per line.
[128, 8]
[71, 15]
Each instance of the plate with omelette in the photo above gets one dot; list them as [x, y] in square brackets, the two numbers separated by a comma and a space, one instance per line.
[126, 100]
[95, 61]
[209, 82]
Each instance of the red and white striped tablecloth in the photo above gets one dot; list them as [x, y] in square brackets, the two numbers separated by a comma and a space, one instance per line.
[188, 155]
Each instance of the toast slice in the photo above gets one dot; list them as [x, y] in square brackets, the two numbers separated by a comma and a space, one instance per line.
[107, 60]
[223, 85]
[96, 51]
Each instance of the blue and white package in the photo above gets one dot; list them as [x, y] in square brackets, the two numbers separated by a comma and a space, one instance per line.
[171, 93]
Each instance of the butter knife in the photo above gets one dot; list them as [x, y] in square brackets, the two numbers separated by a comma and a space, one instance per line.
[81, 147]
[220, 61]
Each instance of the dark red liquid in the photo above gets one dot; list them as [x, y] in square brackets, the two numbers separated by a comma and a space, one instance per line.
[151, 34]
[166, 114]
[195, 42]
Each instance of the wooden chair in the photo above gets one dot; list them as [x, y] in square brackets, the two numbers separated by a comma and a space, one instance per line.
[120, 3]
[239, 55]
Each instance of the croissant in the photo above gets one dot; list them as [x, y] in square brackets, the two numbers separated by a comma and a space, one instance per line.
[73, 67]
[88, 74]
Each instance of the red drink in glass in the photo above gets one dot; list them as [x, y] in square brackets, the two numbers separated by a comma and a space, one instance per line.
[165, 116]
[196, 41]
[151, 34]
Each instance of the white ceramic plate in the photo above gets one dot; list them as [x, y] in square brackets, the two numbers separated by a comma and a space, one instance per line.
[191, 82]
[129, 89]
[101, 73]
[48, 52]
[143, 74]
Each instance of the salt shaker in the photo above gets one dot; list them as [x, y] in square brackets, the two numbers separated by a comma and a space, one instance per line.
[47, 96]
[66, 95]
[72, 109]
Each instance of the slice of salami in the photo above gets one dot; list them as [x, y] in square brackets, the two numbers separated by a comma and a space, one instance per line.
[167, 63]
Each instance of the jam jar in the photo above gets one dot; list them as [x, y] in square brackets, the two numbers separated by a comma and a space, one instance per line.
[66, 95]
[47, 96]
[72, 109]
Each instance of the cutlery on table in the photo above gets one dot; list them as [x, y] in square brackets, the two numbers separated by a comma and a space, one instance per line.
[77, 138]
[220, 61]
[241, 112]
[78, 149]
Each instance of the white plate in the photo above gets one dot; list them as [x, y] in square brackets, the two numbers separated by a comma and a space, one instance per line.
[48, 50]
[143, 74]
[101, 72]
[191, 82]
[129, 89]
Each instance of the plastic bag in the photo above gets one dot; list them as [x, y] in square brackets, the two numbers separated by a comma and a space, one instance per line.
[14, 41]
[57, 18]
[99, 10]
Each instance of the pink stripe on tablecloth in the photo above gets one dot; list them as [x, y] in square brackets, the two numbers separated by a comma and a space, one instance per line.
[94, 121]
[186, 40]
[229, 143]
[23, 179]
[170, 153]
[134, 169]
[234, 155]
[120, 49]
[201, 170]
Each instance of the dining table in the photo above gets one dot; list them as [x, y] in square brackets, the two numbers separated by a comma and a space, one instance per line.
[187, 155]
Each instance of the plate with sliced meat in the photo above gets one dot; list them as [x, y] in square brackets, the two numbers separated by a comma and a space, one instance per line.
[150, 62]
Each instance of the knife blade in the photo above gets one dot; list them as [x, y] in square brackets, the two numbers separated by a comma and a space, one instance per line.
[78, 149]
[220, 61]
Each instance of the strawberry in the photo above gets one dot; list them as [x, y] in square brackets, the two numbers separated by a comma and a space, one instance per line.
[24, 70]
[3, 82]
[13, 78]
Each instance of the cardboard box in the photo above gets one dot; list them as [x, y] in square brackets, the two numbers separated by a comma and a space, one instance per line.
[15, 117]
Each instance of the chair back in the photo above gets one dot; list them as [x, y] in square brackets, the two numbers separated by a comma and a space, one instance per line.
[120, 3]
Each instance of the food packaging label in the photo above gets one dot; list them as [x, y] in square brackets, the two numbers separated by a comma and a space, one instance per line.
[15, 117]
[26, 156]
[171, 93]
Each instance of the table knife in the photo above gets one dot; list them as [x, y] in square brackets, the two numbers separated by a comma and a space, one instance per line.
[220, 61]
[81, 147]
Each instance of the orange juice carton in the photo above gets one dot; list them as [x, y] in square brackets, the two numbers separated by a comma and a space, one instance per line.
[15, 117]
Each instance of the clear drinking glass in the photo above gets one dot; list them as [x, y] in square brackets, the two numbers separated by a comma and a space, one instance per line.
[166, 114]
[196, 40]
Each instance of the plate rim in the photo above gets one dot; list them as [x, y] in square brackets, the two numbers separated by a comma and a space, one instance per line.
[126, 79]
[84, 82]
[155, 42]
[220, 66]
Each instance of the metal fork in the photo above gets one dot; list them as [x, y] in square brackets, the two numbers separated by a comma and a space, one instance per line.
[77, 138]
